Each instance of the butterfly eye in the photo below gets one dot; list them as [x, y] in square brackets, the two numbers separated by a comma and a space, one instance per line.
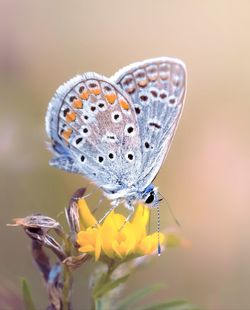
[150, 198]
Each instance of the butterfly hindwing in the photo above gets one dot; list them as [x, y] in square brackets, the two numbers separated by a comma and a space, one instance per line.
[157, 89]
[94, 131]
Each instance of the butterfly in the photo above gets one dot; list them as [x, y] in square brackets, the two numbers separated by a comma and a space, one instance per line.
[117, 131]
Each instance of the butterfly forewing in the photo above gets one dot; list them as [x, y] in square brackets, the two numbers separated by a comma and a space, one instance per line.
[94, 131]
[157, 89]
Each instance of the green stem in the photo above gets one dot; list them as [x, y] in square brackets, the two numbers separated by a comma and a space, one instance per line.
[98, 299]
[98, 304]
[67, 285]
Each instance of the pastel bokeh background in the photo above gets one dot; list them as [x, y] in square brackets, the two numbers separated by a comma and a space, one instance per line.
[206, 177]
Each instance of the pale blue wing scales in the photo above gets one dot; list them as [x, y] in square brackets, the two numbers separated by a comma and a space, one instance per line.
[157, 89]
[94, 132]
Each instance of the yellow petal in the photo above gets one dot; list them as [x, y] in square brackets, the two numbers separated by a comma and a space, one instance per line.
[86, 248]
[149, 244]
[141, 215]
[86, 216]
[89, 241]
[140, 221]
[82, 238]
[115, 247]
[98, 246]
[119, 221]
[117, 236]
[108, 232]
[125, 241]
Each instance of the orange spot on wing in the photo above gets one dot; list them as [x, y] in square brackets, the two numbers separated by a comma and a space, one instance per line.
[111, 98]
[67, 133]
[124, 104]
[71, 117]
[143, 83]
[77, 104]
[96, 91]
[84, 95]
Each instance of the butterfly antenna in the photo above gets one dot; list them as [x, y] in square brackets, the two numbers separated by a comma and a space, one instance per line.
[158, 231]
[171, 211]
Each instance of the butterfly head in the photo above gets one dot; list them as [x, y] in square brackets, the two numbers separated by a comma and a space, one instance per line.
[150, 196]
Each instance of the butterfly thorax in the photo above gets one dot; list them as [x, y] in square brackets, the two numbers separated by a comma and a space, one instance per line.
[132, 195]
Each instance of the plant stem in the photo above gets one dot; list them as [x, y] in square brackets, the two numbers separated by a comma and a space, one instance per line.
[67, 286]
[98, 301]
[67, 278]
[98, 304]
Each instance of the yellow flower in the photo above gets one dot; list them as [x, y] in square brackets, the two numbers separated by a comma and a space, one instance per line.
[118, 239]
[89, 237]
[90, 241]
[115, 238]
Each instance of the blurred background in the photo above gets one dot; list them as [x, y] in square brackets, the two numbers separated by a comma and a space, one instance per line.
[206, 177]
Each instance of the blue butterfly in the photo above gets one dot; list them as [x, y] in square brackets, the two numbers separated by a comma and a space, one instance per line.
[117, 131]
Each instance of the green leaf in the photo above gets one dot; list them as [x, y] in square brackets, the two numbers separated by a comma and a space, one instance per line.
[171, 305]
[133, 298]
[109, 286]
[26, 293]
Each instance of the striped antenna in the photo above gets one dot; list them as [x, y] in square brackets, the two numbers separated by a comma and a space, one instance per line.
[171, 211]
[158, 231]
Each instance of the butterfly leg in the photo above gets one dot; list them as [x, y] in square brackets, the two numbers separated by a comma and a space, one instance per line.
[115, 204]
[131, 208]
[98, 205]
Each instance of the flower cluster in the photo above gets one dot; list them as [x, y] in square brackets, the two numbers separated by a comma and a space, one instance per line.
[115, 238]
[122, 246]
